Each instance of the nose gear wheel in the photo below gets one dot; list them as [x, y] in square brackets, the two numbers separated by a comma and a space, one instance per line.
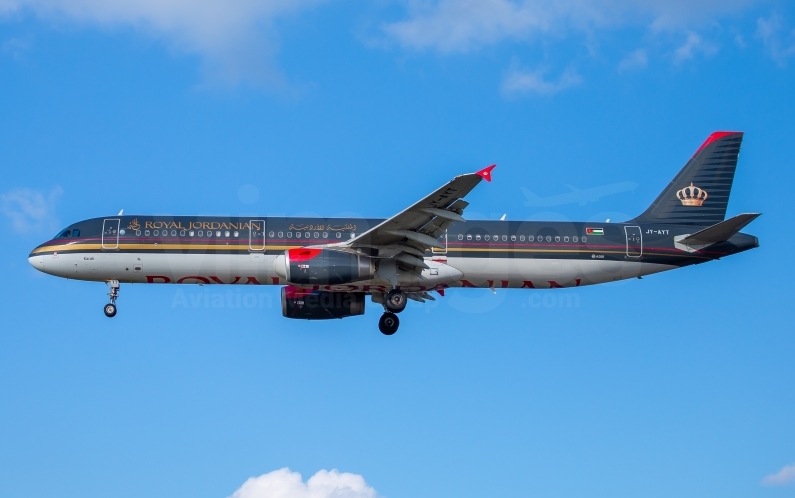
[110, 308]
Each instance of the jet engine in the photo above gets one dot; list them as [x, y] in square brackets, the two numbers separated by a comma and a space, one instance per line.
[308, 266]
[320, 305]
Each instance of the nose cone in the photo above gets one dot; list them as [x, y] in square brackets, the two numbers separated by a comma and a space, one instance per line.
[36, 260]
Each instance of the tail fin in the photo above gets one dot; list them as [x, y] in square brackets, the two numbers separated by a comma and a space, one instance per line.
[699, 194]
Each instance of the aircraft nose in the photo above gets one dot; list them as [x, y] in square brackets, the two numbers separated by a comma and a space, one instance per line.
[36, 260]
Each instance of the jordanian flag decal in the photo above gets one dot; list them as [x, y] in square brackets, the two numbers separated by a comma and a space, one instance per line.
[594, 231]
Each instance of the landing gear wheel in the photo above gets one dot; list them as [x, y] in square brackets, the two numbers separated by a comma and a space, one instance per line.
[388, 324]
[110, 310]
[395, 301]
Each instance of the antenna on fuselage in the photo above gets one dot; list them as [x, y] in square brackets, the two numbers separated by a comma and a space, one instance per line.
[120, 212]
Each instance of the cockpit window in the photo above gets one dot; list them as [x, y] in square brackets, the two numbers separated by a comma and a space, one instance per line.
[64, 234]
[75, 233]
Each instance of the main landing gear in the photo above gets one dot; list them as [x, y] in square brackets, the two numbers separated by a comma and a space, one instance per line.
[110, 308]
[394, 302]
[389, 323]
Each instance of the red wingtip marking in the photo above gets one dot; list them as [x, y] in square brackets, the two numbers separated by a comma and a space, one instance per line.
[715, 136]
[440, 291]
[485, 173]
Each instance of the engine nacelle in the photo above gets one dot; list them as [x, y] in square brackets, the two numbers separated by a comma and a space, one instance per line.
[320, 305]
[308, 266]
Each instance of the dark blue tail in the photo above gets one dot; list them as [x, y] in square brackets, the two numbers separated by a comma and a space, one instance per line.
[699, 194]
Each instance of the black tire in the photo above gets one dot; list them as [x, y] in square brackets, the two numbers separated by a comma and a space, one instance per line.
[110, 310]
[388, 324]
[396, 301]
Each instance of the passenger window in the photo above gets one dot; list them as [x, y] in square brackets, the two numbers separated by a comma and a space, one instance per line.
[566, 238]
[469, 236]
[513, 238]
[504, 238]
[460, 236]
[530, 238]
[584, 239]
[521, 238]
[574, 238]
[325, 235]
[549, 238]
[339, 235]
[557, 238]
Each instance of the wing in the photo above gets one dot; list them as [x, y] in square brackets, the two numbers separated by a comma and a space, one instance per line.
[406, 236]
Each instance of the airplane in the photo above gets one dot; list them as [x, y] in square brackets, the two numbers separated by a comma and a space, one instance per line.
[582, 196]
[328, 266]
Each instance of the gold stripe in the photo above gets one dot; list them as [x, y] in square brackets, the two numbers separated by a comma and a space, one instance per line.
[209, 247]
[121, 247]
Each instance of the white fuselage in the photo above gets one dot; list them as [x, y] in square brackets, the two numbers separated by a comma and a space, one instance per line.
[258, 269]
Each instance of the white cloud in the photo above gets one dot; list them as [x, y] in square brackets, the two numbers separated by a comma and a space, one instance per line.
[284, 483]
[769, 30]
[781, 478]
[16, 47]
[693, 44]
[518, 81]
[30, 210]
[460, 25]
[634, 60]
[237, 40]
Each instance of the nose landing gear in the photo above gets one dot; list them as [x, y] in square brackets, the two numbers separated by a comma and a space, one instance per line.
[110, 308]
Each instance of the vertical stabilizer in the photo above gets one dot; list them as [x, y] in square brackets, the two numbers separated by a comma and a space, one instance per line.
[699, 194]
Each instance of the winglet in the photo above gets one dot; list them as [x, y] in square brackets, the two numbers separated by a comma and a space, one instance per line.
[485, 173]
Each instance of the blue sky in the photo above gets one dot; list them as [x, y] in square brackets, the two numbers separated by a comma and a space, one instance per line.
[677, 384]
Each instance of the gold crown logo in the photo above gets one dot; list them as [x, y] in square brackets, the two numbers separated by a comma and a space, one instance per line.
[134, 225]
[692, 195]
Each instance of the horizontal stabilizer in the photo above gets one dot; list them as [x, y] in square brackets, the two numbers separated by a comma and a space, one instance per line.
[716, 233]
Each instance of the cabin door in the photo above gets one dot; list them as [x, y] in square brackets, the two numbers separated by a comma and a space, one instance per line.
[110, 234]
[634, 242]
[256, 237]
